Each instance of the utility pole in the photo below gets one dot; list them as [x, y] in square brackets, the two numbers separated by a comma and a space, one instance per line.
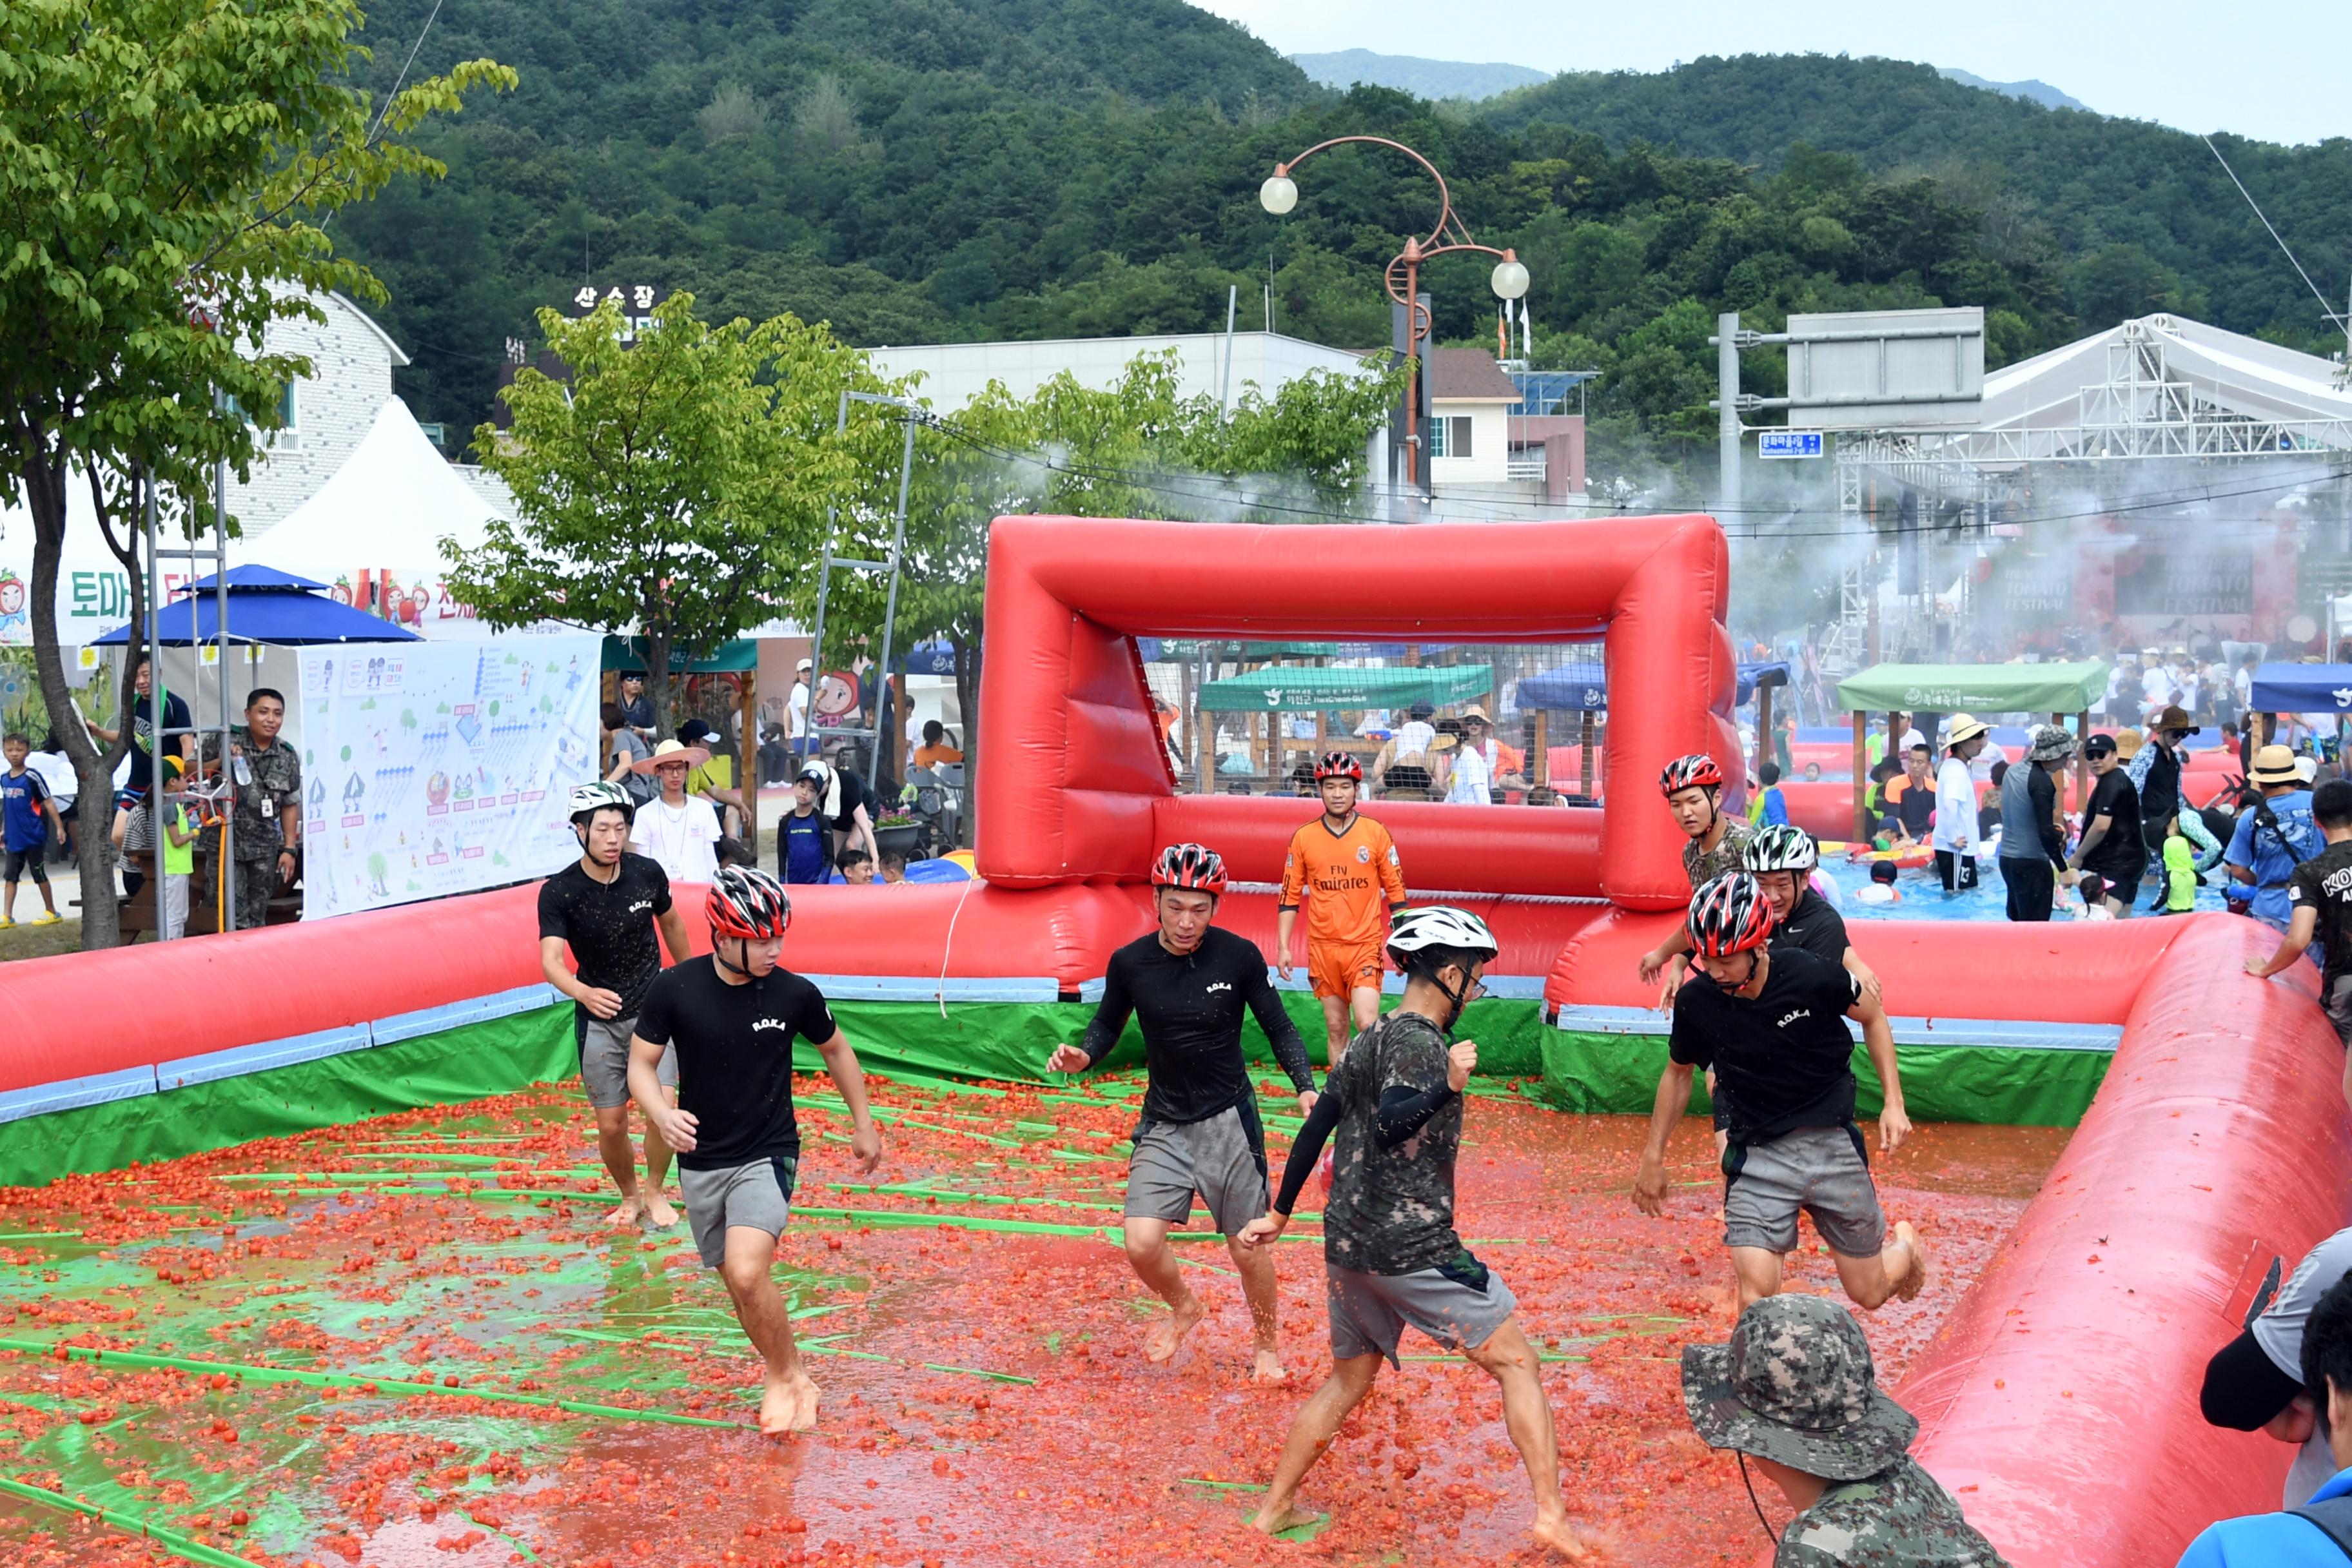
[1727, 421]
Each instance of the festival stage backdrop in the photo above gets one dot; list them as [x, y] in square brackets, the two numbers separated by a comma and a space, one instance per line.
[438, 768]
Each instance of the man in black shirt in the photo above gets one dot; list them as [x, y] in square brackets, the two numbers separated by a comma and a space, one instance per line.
[1391, 1255]
[732, 1017]
[1782, 857]
[605, 908]
[2320, 898]
[1770, 1022]
[2112, 848]
[1190, 983]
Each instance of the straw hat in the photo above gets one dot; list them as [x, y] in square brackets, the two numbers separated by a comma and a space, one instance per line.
[2273, 764]
[671, 751]
[1474, 711]
[1964, 728]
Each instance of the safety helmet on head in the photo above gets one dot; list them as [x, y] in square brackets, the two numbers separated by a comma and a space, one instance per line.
[1339, 765]
[1781, 847]
[1729, 914]
[588, 799]
[1193, 867]
[1697, 770]
[1435, 935]
[747, 902]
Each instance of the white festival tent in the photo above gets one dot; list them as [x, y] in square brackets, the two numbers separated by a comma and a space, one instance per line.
[378, 525]
[2163, 368]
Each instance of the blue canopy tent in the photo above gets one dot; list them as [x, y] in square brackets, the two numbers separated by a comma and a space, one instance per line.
[2306, 689]
[265, 605]
[1565, 688]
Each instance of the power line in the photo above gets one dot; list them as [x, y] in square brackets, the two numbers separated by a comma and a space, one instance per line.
[403, 76]
[2326, 308]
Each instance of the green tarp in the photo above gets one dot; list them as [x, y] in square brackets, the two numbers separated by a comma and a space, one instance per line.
[628, 655]
[1299, 688]
[1977, 690]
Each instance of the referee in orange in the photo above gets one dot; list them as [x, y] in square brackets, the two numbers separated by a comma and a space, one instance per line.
[1344, 866]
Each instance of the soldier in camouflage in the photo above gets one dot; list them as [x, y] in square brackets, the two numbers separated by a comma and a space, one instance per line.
[1796, 1391]
[1716, 842]
[267, 826]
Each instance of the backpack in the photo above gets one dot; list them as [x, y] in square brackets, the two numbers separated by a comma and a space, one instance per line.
[2332, 1516]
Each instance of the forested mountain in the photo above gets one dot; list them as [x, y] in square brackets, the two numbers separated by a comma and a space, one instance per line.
[1421, 77]
[914, 169]
[2136, 216]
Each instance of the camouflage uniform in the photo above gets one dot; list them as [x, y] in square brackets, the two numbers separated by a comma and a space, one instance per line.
[1796, 1385]
[256, 841]
[1705, 865]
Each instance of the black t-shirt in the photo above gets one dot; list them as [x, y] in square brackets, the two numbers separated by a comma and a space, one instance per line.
[610, 926]
[854, 792]
[2159, 797]
[1191, 1007]
[1786, 1055]
[2324, 883]
[735, 1056]
[142, 731]
[1391, 1209]
[2121, 855]
[1914, 808]
[1815, 926]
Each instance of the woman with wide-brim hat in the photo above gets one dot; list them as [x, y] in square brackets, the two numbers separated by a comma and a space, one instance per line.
[676, 831]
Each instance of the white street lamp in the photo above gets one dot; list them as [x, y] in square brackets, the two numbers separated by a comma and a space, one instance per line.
[1278, 194]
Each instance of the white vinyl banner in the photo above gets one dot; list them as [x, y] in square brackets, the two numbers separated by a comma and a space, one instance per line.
[437, 768]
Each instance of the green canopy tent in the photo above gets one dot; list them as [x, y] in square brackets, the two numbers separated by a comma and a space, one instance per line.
[1308, 689]
[739, 657]
[1980, 691]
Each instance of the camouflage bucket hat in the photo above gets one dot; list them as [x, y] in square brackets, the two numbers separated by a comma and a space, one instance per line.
[2051, 741]
[1796, 1385]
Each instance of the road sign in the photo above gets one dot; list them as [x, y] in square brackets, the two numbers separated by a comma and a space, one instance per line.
[1789, 443]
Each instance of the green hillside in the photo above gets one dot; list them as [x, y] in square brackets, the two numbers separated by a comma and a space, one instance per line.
[1019, 168]
[2142, 216]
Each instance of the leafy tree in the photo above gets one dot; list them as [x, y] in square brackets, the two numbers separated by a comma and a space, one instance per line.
[676, 487]
[166, 167]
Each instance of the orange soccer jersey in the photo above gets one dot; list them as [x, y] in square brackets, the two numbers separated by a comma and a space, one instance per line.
[1346, 878]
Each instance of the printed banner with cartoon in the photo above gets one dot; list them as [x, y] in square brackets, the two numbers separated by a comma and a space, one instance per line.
[430, 769]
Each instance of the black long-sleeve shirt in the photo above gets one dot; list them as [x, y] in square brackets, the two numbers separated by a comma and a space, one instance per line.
[1190, 1008]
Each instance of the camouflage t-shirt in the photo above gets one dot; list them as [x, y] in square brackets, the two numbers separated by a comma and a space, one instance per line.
[1705, 865]
[1392, 1210]
[1898, 1519]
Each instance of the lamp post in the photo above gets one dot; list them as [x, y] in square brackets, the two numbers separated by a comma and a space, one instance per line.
[1403, 275]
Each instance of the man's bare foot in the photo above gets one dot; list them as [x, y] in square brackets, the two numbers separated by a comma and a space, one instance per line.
[632, 1209]
[1273, 1520]
[789, 1404]
[1915, 1278]
[659, 1213]
[1553, 1531]
[1268, 1368]
[1166, 1335]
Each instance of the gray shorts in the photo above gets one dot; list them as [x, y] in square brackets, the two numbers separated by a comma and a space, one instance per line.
[604, 1061]
[757, 1194]
[1218, 1158]
[2337, 1005]
[1370, 1311]
[1819, 1170]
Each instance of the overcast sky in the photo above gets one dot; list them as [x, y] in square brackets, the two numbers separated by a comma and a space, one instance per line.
[2282, 72]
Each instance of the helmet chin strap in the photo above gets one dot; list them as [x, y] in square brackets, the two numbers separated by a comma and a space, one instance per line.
[718, 956]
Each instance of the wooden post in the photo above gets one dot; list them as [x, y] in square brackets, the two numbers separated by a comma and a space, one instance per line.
[1205, 749]
[2082, 763]
[1861, 777]
[1584, 759]
[1191, 716]
[747, 757]
[1763, 730]
[1540, 772]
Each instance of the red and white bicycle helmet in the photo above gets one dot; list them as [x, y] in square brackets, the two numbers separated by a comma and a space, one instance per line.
[1729, 914]
[1195, 868]
[1697, 770]
[748, 903]
[1339, 765]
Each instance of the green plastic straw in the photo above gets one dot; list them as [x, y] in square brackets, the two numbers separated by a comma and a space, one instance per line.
[171, 1541]
[353, 1380]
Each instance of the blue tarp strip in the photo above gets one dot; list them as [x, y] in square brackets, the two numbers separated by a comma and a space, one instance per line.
[71, 1093]
[450, 1016]
[239, 1060]
[2012, 1033]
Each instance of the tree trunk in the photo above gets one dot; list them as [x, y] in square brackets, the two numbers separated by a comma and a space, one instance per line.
[45, 497]
[967, 684]
[660, 681]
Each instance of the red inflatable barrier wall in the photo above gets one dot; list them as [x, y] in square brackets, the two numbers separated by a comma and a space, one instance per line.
[2062, 972]
[2059, 1400]
[1519, 850]
[1074, 773]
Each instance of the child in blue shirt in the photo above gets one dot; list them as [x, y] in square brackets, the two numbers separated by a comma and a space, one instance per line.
[26, 816]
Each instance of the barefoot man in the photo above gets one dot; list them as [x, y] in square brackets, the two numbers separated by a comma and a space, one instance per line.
[1391, 1255]
[606, 907]
[1771, 1021]
[732, 1017]
[1189, 982]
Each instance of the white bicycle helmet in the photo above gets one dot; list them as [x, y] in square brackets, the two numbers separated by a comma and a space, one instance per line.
[596, 795]
[1781, 847]
[1439, 927]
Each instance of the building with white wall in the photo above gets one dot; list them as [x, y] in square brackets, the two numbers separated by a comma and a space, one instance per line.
[329, 412]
